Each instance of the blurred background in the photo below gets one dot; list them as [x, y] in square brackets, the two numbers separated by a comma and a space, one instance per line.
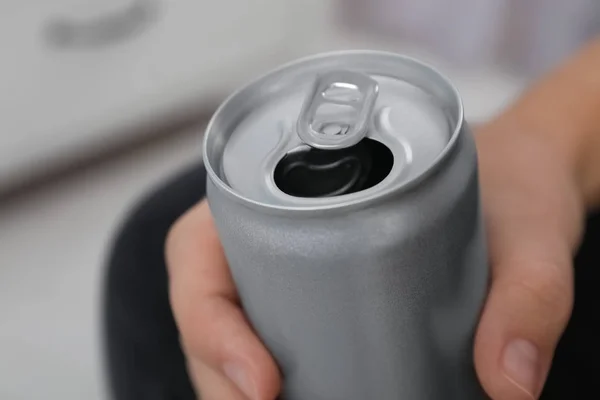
[100, 100]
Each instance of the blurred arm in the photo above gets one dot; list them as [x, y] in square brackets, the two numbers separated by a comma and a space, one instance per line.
[564, 110]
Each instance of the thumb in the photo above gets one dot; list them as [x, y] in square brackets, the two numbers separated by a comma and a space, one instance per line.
[528, 307]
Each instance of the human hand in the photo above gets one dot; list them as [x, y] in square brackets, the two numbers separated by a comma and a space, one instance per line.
[226, 360]
[533, 215]
[533, 212]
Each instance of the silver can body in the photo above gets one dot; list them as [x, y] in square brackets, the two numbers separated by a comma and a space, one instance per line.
[369, 295]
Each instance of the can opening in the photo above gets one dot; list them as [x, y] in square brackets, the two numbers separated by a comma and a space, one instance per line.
[311, 172]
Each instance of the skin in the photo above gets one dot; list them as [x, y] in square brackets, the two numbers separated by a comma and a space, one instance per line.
[538, 178]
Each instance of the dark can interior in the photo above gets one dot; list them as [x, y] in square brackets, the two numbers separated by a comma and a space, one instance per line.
[313, 173]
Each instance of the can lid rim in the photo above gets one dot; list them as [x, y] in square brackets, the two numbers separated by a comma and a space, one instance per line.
[350, 200]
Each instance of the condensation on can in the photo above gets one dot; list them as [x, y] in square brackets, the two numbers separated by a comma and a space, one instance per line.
[370, 294]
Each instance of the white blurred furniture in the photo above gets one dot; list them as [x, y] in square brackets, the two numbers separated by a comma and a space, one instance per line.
[77, 76]
[171, 57]
[527, 37]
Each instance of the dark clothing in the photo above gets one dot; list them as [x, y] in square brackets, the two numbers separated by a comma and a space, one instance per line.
[143, 356]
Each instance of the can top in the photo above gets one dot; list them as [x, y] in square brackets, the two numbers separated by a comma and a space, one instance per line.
[332, 102]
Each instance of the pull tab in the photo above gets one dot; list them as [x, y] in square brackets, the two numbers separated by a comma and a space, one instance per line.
[336, 114]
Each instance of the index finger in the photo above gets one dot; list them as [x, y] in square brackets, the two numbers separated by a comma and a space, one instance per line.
[213, 328]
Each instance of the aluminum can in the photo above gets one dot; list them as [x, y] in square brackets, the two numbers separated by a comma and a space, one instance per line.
[344, 189]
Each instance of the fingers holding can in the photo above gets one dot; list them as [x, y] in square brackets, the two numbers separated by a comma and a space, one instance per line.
[225, 358]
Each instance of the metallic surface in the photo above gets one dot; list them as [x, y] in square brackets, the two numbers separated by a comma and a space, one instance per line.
[371, 295]
[352, 96]
[417, 115]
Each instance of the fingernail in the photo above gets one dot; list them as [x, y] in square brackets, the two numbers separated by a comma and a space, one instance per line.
[242, 380]
[521, 366]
